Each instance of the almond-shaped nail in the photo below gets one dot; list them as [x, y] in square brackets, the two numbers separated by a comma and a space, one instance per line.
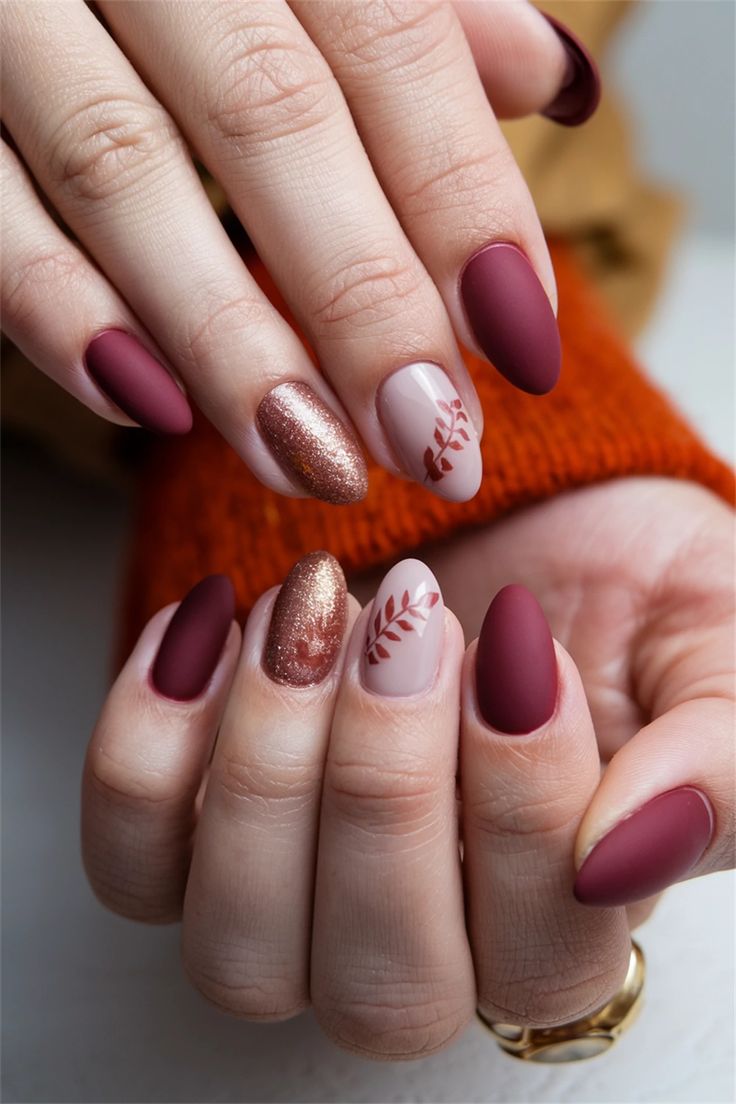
[192, 644]
[137, 383]
[581, 90]
[430, 430]
[403, 643]
[307, 622]
[515, 664]
[311, 444]
[511, 317]
[647, 851]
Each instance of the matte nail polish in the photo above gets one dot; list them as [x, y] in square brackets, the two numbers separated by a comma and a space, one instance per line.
[137, 383]
[307, 622]
[311, 444]
[193, 642]
[648, 851]
[511, 317]
[581, 91]
[430, 430]
[403, 642]
[515, 664]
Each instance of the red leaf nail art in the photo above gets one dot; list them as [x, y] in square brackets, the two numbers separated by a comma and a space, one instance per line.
[446, 437]
[389, 616]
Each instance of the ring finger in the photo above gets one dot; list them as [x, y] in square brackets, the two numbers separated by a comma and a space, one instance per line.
[529, 766]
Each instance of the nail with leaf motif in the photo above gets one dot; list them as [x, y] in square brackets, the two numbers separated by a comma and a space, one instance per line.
[404, 633]
[430, 431]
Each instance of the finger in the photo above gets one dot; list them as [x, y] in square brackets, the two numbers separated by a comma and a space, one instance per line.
[664, 809]
[409, 77]
[248, 908]
[391, 970]
[529, 61]
[262, 107]
[529, 765]
[57, 308]
[148, 752]
[114, 165]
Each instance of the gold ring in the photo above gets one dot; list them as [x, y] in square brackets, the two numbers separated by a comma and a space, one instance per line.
[584, 1038]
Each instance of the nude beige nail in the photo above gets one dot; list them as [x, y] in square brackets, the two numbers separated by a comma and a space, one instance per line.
[307, 623]
[311, 444]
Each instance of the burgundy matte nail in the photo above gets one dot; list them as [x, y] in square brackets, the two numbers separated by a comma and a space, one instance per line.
[648, 851]
[511, 317]
[138, 383]
[193, 642]
[581, 91]
[515, 664]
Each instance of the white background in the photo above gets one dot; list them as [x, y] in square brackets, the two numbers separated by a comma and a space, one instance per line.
[95, 1008]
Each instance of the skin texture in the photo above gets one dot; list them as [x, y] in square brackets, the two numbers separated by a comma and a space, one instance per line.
[635, 576]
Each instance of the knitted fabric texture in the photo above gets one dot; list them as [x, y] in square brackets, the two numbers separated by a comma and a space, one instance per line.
[201, 511]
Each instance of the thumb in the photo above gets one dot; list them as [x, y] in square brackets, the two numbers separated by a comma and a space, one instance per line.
[664, 809]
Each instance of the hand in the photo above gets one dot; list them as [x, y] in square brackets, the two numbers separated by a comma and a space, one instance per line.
[636, 578]
[317, 859]
[358, 148]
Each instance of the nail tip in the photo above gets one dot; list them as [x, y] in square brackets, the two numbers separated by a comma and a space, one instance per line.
[578, 100]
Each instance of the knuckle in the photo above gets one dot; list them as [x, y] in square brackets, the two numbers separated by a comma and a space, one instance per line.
[215, 323]
[545, 1000]
[370, 291]
[131, 788]
[399, 1030]
[109, 146]
[58, 272]
[287, 787]
[269, 86]
[393, 37]
[268, 997]
[510, 817]
[382, 799]
[452, 179]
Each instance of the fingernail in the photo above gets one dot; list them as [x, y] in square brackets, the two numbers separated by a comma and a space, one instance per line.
[648, 851]
[307, 622]
[430, 430]
[403, 640]
[515, 664]
[193, 642]
[581, 90]
[511, 317]
[137, 383]
[311, 444]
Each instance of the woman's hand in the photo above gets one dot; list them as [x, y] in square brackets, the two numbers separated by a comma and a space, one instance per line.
[357, 146]
[316, 858]
[636, 578]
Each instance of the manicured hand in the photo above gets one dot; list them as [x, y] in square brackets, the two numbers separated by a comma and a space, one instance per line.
[314, 855]
[357, 143]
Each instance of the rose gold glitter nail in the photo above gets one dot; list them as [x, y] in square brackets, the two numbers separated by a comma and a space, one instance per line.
[307, 622]
[311, 444]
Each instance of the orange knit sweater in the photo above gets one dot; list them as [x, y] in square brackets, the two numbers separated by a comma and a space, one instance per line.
[201, 511]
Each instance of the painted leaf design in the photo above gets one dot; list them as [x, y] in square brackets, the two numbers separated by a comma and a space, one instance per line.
[406, 626]
[405, 599]
[428, 600]
[444, 406]
[383, 652]
[464, 434]
[440, 423]
[454, 445]
[389, 607]
[391, 635]
[445, 464]
[377, 622]
[456, 404]
[372, 659]
[438, 438]
[461, 416]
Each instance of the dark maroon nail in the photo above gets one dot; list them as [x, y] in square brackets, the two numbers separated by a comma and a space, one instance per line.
[515, 664]
[193, 642]
[648, 851]
[511, 317]
[137, 382]
[581, 92]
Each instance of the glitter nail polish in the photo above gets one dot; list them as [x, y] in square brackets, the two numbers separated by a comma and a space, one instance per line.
[307, 622]
[311, 444]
